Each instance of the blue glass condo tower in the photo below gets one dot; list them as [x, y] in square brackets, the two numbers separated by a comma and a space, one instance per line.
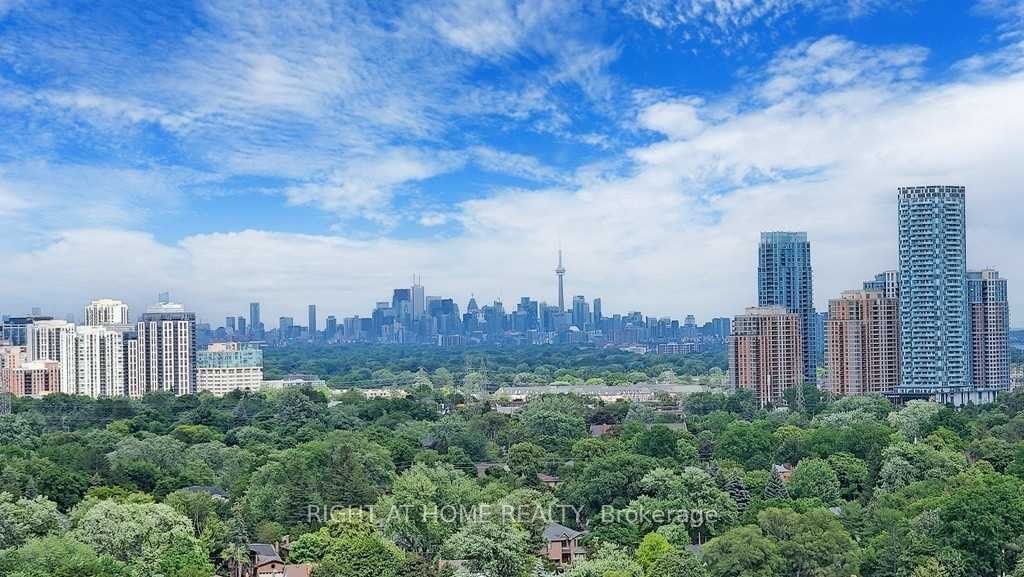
[785, 278]
[936, 353]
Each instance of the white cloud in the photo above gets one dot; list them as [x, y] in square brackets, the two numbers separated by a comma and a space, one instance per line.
[482, 27]
[434, 219]
[1010, 12]
[834, 63]
[106, 108]
[521, 165]
[678, 119]
[90, 196]
[729, 22]
[363, 186]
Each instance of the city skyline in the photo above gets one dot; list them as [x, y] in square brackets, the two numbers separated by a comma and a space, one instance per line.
[284, 169]
[245, 310]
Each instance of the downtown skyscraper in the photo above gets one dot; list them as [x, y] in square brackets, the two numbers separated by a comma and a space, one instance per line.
[935, 347]
[785, 278]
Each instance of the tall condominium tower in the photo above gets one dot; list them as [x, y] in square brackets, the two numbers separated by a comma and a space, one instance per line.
[311, 326]
[560, 273]
[255, 324]
[167, 350]
[55, 341]
[106, 312]
[785, 278]
[580, 312]
[990, 329]
[766, 353]
[935, 338]
[863, 343]
[418, 299]
[100, 358]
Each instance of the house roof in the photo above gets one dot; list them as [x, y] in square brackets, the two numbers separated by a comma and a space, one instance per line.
[548, 478]
[556, 532]
[264, 553]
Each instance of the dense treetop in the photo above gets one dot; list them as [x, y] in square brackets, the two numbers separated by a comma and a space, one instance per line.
[856, 486]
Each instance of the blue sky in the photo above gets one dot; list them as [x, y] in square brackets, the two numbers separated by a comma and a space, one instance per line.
[295, 152]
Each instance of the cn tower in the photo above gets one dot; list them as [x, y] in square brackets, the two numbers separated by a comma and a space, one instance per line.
[560, 271]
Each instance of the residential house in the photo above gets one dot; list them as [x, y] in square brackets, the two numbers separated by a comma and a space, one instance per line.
[264, 561]
[550, 481]
[561, 545]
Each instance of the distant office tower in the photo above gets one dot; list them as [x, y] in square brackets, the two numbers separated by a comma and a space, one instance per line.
[785, 278]
[766, 353]
[107, 312]
[560, 273]
[167, 350]
[230, 323]
[933, 293]
[226, 367]
[721, 327]
[418, 302]
[401, 304]
[55, 341]
[284, 327]
[241, 326]
[99, 357]
[331, 328]
[580, 312]
[888, 283]
[863, 343]
[255, 324]
[164, 298]
[312, 326]
[990, 329]
[598, 314]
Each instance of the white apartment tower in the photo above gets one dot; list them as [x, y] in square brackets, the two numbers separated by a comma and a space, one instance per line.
[99, 353]
[53, 340]
[167, 350]
[106, 312]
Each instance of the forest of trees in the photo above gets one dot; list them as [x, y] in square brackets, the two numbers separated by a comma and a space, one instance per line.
[365, 366]
[101, 488]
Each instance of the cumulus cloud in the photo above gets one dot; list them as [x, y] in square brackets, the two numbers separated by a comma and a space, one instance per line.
[678, 119]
